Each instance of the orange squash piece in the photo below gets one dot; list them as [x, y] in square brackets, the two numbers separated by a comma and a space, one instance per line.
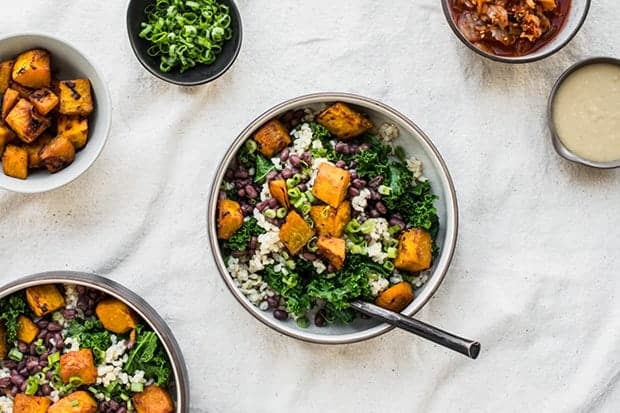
[75, 97]
[44, 299]
[116, 316]
[331, 184]
[6, 68]
[32, 69]
[10, 98]
[331, 222]
[272, 137]
[26, 122]
[4, 346]
[57, 154]
[334, 249]
[79, 364]
[27, 330]
[153, 399]
[30, 404]
[229, 218]
[415, 250]
[15, 162]
[77, 402]
[295, 232]
[278, 190]
[343, 122]
[396, 298]
[74, 128]
[44, 100]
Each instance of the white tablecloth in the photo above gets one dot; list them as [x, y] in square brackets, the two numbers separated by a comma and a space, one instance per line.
[535, 274]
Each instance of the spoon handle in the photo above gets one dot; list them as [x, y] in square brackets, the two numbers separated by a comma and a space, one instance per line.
[443, 338]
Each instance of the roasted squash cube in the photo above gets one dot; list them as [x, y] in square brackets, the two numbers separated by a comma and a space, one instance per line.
[74, 128]
[26, 122]
[229, 218]
[80, 364]
[330, 222]
[295, 232]
[34, 151]
[153, 399]
[334, 249]
[6, 136]
[75, 97]
[278, 190]
[116, 316]
[396, 298]
[4, 345]
[15, 162]
[77, 402]
[272, 137]
[44, 299]
[44, 100]
[23, 91]
[57, 154]
[331, 184]
[30, 404]
[9, 99]
[32, 69]
[6, 68]
[27, 330]
[343, 122]
[415, 250]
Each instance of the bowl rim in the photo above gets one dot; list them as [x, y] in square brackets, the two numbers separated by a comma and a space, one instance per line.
[104, 100]
[558, 145]
[137, 303]
[451, 223]
[163, 76]
[516, 59]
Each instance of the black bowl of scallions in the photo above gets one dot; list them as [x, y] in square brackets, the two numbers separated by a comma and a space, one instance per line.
[185, 42]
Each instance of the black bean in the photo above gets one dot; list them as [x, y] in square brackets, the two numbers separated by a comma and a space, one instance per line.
[247, 209]
[14, 391]
[342, 147]
[89, 312]
[250, 192]
[36, 369]
[353, 191]
[271, 176]
[341, 164]
[287, 173]
[5, 382]
[60, 345]
[42, 333]
[42, 323]
[241, 174]
[17, 379]
[32, 363]
[375, 182]
[374, 195]
[396, 221]
[253, 242]
[358, 183]
[49, 375]
[23, 347]
[55, 327]
[352, 164]
[280, 314]
[309, 256]
[21, 365]
[10, 364]
[353, 173]
[302, 187]
[262, 205]
[46, 389]
[239, 254]
[43, 363]
[273, 302]
[306, 157]
[284, 154]
[241, 192]
[364, 147]
[44, 354]
[273, 203]
[374, 213]
[295, 161]
[331, 268]
[121, 410]
[229, 175]
[381, 208]
[319, 319]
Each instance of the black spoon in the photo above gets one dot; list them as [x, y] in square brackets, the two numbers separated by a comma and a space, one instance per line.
[462, 345]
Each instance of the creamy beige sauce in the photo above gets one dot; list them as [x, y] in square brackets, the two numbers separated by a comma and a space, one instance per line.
[586, 112]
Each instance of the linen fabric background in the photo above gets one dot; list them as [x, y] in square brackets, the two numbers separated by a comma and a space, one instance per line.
[535, 274]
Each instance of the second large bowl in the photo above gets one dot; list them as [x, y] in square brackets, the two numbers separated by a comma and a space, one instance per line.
[415, 143]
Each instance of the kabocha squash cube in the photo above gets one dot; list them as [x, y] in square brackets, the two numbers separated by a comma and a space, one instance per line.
[44, 299]
[4, 346]
[295, 232]
[32, 69]
[79, 364]
[26, 122]
[415, 250]
[6, 136]
[396, 298]
[153, 399]
[44, 100]
[278, 190]
[330, 222]
[34, 151]
[9, 99]
[331, 184]
[57, 154]
[334, 249]
[77, 402]
[75, 97]
[24, 92]
[343, 122]
[229, 218]
[272, 137]
[74, 128]
[27, 330]
[15, 162]
[116, 316]
[30, 404]
[5, 74]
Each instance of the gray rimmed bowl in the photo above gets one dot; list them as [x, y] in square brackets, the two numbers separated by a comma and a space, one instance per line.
[558, 145]
[417, 144]
[577, 16]
[180, 386]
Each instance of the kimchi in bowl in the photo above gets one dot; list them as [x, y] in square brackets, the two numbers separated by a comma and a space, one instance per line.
[515, 31]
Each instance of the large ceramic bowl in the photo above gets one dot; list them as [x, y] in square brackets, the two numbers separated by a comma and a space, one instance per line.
[577, 15]
[180, 383]
[416, 143]
[67, 63]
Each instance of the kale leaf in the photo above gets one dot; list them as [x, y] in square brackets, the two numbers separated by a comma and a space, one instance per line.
[240, 239]
[10, 309]
[263, 167]
[291, 287]
[149, 356]
[91, 334]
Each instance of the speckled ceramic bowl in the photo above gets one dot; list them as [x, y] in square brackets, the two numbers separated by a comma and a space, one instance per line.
[180, 386]
[415, 143]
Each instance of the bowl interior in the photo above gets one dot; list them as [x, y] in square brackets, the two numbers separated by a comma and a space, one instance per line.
[416, 144]
[577, 14]
[197, 75]
[67, 63]
[180, 383]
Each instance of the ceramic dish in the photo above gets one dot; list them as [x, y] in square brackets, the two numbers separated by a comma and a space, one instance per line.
[72, 64]
[414, 142]
[199, 74]
[577, 14]
[179, 387]
[559, 146]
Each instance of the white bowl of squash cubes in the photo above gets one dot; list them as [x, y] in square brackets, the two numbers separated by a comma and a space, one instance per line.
[55, 113]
